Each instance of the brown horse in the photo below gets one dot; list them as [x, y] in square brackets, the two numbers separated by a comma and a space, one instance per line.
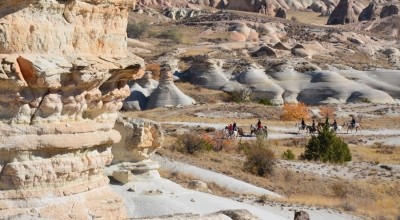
[311, 130]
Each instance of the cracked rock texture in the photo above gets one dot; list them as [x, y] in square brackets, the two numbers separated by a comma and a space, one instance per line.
[63, 75]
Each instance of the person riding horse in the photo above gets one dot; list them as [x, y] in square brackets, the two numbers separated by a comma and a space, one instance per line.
[303, 125]
[313, 125]
[230, 129]
[259, 126]
[234, 126]
[327, 123]
[353, 122]
[335, 125]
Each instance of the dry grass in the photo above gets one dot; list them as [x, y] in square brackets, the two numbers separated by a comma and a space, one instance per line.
[373, 154]
[307, 17]
[363, 198]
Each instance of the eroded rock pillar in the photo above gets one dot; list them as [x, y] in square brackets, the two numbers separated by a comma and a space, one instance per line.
[63, 74]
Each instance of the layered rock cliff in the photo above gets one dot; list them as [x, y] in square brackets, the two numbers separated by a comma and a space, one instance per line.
[63, 77]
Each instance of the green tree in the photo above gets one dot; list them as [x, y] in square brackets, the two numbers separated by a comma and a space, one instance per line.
[327, 147]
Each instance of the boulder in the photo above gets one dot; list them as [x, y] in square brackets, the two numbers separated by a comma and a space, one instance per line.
[301, 215]
[318, 6]
[343, 14]
[371, 12]
[198, 185]
[389, 10]
[123, 176]
[264, 50]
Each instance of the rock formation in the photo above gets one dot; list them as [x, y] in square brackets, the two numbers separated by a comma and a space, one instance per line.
[63, 77]
[205, 72]
[141, 90]
[301, 215]
[140, 140]
[264, 50]
[318, 6]
[369, 13]
[388, 10]
[167, 94]
[343, 14]
[281, 13]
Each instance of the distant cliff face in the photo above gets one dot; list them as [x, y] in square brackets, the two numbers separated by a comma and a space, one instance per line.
[63, 74]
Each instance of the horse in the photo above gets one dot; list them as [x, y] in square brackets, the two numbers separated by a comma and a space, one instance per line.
[301, 127]
[338, 128]
[228, 134]
[350, 127]
[311, 130]
[263, 131]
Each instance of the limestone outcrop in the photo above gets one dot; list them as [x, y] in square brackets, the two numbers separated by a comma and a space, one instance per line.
[63, 77]
[140, 140]
[343, 14]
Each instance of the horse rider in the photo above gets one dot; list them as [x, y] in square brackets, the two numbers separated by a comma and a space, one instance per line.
[234, 126]
[230, 128]
[353, 121]
[334, 124]
[259, 126]
[303, 125]
[327, 123]
[313, 125]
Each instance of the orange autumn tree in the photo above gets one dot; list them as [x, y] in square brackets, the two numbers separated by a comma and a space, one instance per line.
[295, 111]
[155, 70]
[326, 112]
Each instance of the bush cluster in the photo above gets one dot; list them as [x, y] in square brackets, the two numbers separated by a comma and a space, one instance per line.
[265, 101]
[137, 29]
[288, 154]
[192, 142]
[173, 34]
[327, 147]
[260, 160]
[239, 96]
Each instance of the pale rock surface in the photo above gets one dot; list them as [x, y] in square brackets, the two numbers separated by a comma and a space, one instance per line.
[206, 72]
[63, 76]
[140, 138]
[167, 94]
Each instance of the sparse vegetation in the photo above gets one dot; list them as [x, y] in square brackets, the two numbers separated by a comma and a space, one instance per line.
[265, 101]
[173, 34]
[192, 143]
[293, 18]
[327, 147]
[366, 100]
[288, 154]
[137, 29]
[260, 160]
[239, 96]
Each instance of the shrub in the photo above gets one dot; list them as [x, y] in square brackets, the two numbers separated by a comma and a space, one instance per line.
[218, 142]
[326, 112]
[293, 18]
[173, 34]
[136, 30]
[347, 206]
[191, 143]
[265, 101]
[155, 70]
[239, 96]
[366, 100]
[288, 154]
[259, 160]
[294, 112]
[340, 190]
[327, 147]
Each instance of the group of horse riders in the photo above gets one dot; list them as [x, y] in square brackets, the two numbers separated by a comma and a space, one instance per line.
[327, 124]
[232, 127]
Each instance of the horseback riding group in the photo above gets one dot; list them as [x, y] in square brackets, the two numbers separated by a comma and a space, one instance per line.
[334, 126]
[232, 131]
